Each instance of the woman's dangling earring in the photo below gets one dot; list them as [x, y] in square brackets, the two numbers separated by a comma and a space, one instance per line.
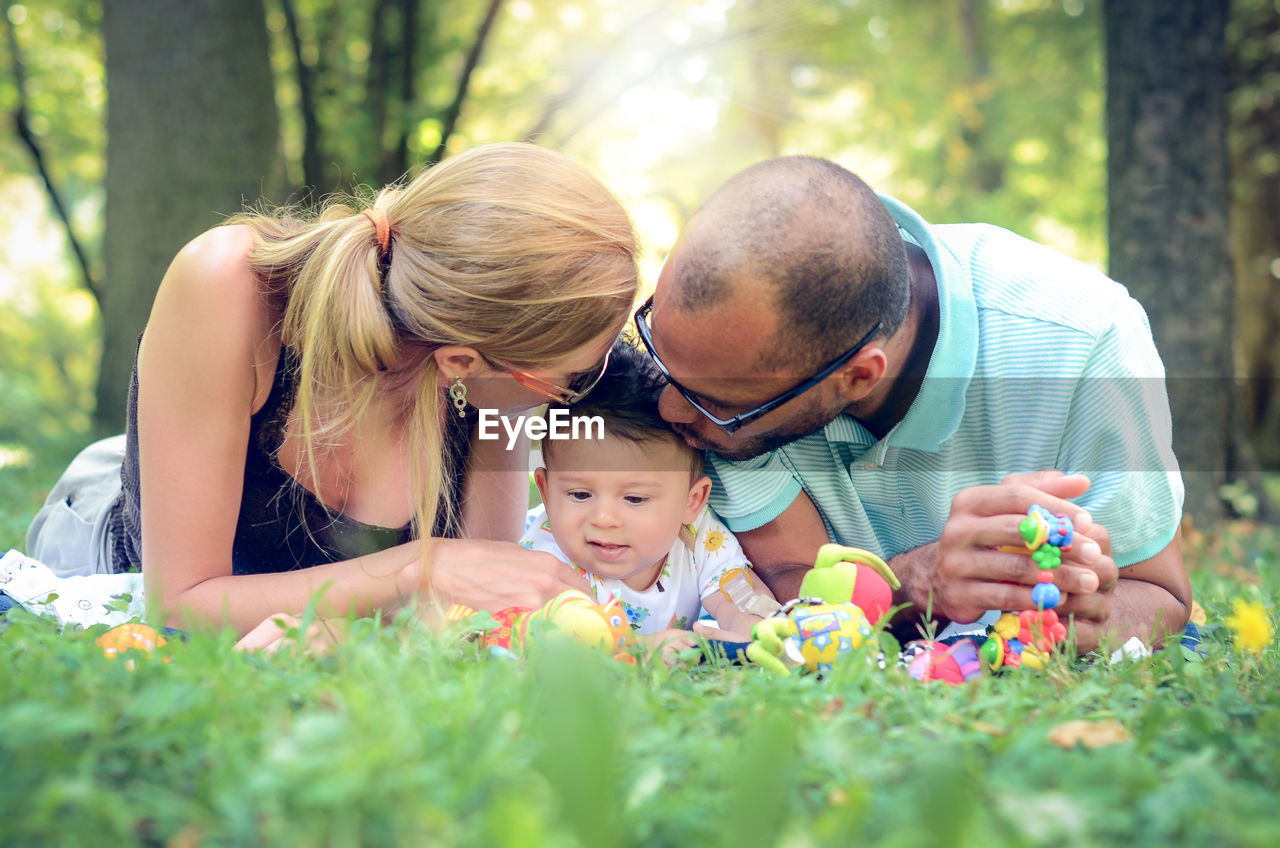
[458, 391]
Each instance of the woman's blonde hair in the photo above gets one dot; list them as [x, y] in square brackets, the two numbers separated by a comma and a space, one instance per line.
[512, 249]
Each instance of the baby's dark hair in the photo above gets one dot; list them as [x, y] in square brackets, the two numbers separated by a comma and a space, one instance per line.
[626, 399]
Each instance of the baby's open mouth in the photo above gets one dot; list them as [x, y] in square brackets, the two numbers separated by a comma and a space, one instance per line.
[609, 550]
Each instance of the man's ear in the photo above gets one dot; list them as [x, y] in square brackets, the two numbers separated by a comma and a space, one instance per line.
[540, 479]
[859, 376]
[698, 494]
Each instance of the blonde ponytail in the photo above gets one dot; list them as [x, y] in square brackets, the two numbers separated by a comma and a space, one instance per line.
[511, 249]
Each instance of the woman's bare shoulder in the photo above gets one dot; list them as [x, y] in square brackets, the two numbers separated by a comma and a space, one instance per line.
[218, 259]
[210, 290]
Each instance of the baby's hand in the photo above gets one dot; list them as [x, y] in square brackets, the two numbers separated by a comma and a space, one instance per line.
[669, 643]
[716, 633]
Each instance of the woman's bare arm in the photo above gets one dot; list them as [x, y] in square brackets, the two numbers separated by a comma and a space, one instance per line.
[205, 366]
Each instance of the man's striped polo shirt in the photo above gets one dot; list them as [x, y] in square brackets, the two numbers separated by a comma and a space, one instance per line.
[1041, 362]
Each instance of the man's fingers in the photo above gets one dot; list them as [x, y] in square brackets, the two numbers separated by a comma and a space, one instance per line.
[1100, 535]
[1095, 607]
[996, 566]
[1104, 570]
[1009, 567]
[1073, 580]
[1000, 580]
[1016, 499]
[1051, 482]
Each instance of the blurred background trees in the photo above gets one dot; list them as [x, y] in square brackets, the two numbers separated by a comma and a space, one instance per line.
[992, 110]
[191, 137]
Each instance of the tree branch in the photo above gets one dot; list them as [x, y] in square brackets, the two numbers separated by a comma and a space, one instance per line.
[23, 127]
[450, 119]
[408, 78]
[377, 89]
[312, 160]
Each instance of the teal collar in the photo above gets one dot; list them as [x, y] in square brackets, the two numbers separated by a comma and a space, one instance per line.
[936, 412]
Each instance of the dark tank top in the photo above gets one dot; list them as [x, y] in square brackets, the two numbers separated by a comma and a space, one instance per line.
[282, 526]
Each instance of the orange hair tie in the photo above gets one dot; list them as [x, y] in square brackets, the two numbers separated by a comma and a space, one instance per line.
[382, 225]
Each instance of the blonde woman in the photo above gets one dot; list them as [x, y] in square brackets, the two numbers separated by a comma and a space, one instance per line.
[303, 409]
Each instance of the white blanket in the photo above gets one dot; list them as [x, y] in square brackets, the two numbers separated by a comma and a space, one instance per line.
[72, 601]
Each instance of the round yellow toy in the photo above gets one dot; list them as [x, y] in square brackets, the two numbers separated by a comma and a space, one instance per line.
[574, 613]
[124, 638]
[577, 614]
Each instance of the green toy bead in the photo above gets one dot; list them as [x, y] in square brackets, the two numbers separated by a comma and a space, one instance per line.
[1047, 557]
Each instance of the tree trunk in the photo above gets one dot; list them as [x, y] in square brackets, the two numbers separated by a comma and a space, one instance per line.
[986, 173]
[191, 136]
[1168, 223]
[1255, 174]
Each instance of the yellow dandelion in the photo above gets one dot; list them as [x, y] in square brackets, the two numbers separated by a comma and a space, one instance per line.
[1250, 623]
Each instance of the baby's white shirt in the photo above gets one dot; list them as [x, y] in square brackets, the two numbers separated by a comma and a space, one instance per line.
[691, 573]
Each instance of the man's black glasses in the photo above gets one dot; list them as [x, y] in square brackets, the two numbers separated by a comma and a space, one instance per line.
[731, 425]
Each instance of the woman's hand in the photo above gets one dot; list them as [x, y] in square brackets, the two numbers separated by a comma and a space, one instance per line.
[496, 575]
[281, 630]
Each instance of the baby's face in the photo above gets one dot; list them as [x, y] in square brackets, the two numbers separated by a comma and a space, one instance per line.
[616, 506]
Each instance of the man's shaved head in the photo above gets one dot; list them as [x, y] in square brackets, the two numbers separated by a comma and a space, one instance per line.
[808, 238]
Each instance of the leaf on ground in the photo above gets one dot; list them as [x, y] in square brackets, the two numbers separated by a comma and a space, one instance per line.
[1091, 734]
[974, 724]
[832, 708]
[1235, 572]
[1197, 614]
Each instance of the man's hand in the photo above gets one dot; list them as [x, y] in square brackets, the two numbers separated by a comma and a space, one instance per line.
[965, 573]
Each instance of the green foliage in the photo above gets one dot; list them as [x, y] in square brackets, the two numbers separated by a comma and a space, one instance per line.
[48, 329]
[47, 341]
[971, 111]
[968, 111]
[975, 110]
[49, 347]
[402, 738]
[60, 47]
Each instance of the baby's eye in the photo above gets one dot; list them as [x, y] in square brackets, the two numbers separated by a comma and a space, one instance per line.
[578, 495]
[635, 500]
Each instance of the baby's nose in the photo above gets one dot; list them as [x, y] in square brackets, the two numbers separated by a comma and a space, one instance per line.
[605, 516]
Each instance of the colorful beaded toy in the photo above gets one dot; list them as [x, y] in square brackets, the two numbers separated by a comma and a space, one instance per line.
[1028, 637]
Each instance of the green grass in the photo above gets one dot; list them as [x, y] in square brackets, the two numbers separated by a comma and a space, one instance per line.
[403, 738]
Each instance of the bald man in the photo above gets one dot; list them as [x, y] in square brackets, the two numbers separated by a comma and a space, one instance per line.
[861, 376]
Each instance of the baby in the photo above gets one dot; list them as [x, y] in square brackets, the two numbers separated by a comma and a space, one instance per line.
[629, 510]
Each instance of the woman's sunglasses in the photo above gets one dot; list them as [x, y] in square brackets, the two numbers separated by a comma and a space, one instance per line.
[571, 394]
